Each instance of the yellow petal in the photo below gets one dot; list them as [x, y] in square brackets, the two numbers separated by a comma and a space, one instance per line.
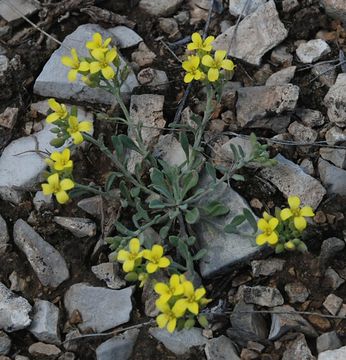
[299, 223]
[285, 214]
[161, 288]
[196, 38]
[73, 121]
[178, 290]
[261, 239]
[67, 61]
[164, 307]
[188, 289]
[111, 55]
[164, 262]
[66, 184]
[74, 55]
[180, 307]
[95, 67]
[294, 202]
[273, 223]
[72, 75]
[134, 245]
[157, 251]
[53, 180]
[47, 189]
[174, 281]
[108, 72]
[128, 265]
[171, 325]
[188, 78]
[262, 225]
[84, 66]
[193, 307]
[207, 60]
[77, 138]
[213, 74]
[192, 47]
[85, 126]
[162, 321]
[227, 65]
[97, 38]
[151, 268]
[62, 197]
[163, 299]
[54, 105]
[107, 42]
[209, 40]
[65, 154]
[266, 216]
[98, 54]
[123, 255]
[307, 211]
[56, 156]
[273, 238]
[186, 65]
[52, 117]
[219, 55]
[199, 293]
[194, 60]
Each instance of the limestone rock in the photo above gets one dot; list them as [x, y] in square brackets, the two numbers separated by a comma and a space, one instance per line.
[326, 75]
[4, 236]
[155, 79]
[302, 133]
[262, 296]
[143, 56]
[267, 267]
[169, 149]
[297, 292]
[9, 117]
[311, 118]
[312, 51]
[25, 7]
[221, 348]
[14, 310]
[336, 156]
[332, 177]
[335, 9]
[335, 100]
[125, 37]
[328, 341]
[256, 34]
[109, 272]
[45, 351]
[282, 77]
[101, 309]
[237, 7]
[53, 82]
[5, 343]
[335, 135]
[48, 264]
[79, 227]
[290, 179]
[298, 349]
[339, 354]
[333, 303]
[160, 7]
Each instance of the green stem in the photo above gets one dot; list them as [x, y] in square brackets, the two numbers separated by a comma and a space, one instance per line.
[89, 189]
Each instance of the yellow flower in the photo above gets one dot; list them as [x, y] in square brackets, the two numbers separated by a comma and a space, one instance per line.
[269, 235]
[169, 316]
[75, 128]
[289, 245]
[297, 213]
[98, 44]
[191, 67]
[174, 288]
[267, 216]
[75, 64]
[219, 62]
[142, 277]
[58, 188]
[60, 111]
[103, 63]
[60, 161]
[129, 258]
[199, 44]
[191, 298]
[155, 258]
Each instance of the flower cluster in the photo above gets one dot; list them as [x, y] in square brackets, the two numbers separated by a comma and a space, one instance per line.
[139, 263]
[103, 62]
[201, 65]
[67, 124]
[285, 229]
[179, 303]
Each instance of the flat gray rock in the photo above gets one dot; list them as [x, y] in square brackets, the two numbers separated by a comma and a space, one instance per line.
[101, 309]
[14, 310]
[125, 37]
[291, 180]
[118, 347]
[335, 9]
[339, 354]
[267, 267]
[48, 264]
[169, 149]
[45, 321]
[282, 77]
[312, 51]
[109, 272]
[5, 343]
[4, 236]
[53, 82]
[298, 349]
[262, 296]
[79, 227]
[335, 100]
[160, 7]
[328, 341]
[25, 7]
[224, 250]
[244, 7]
[336, 156]
[180, 342]
[332, 177]
[221, 348]
[41, 350]
[256, 34]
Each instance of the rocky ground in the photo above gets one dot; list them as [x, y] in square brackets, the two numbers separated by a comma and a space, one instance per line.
[289, 88]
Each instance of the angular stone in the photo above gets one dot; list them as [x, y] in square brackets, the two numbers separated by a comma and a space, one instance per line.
[44, 351]
[155, 79]
[312, 51]
[223, 249]
[335, 9]
[125, 37]
[42, 202]
[91, 303]
[45, 321]
[298, 349]
[221, 348]
[92, 206]
[4, 236]
[160, 7]
[79, 227]
[308, 167]
[332, 177]
[335, 100]
[108, 272]
[247, 325]
[280, 56]
[9, 117]
[14, 310]
[336, 156]
[24, 7]
[262, 296]
[267, 267]
[311, 118]
[297, 292]
[289, 5]
[169, 149]
[256, 104]
[244, 7]
[143, 56]
[290, 179]
[118, 347]
[256, 34]
[53, 82]
[48, 264]
[5, 343]
[289, 320]
[326, 75]
[302, 133]
[333, 303]
[282, 77]
[335, 135]
[180, 342]
[339, 354]
[330, 247]
[328, 341]
[332, 279]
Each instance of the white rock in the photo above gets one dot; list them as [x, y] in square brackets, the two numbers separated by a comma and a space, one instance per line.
[339, 354]
[256, 34]
[125, 37]
[312, 51]
[289, 5]
[336, 156]
[332, 177]
[335, 100]
[169, 149]
[48, 264]
[53, 82]
[14, 310]
[335, 135]
[221, 348]
[5, 344]
[311, 118]
[291, 180]
[156, 79]
[281, 56]
[101, 309]
[237, 7]
[24, 7]
[109, 272]
[282, 77]
[42, 201]
[335, 9]
[298, 349]
[4, 236]
[79, 227]
[160, 7]
[333, 303]
[302, 133]
[45, 321]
